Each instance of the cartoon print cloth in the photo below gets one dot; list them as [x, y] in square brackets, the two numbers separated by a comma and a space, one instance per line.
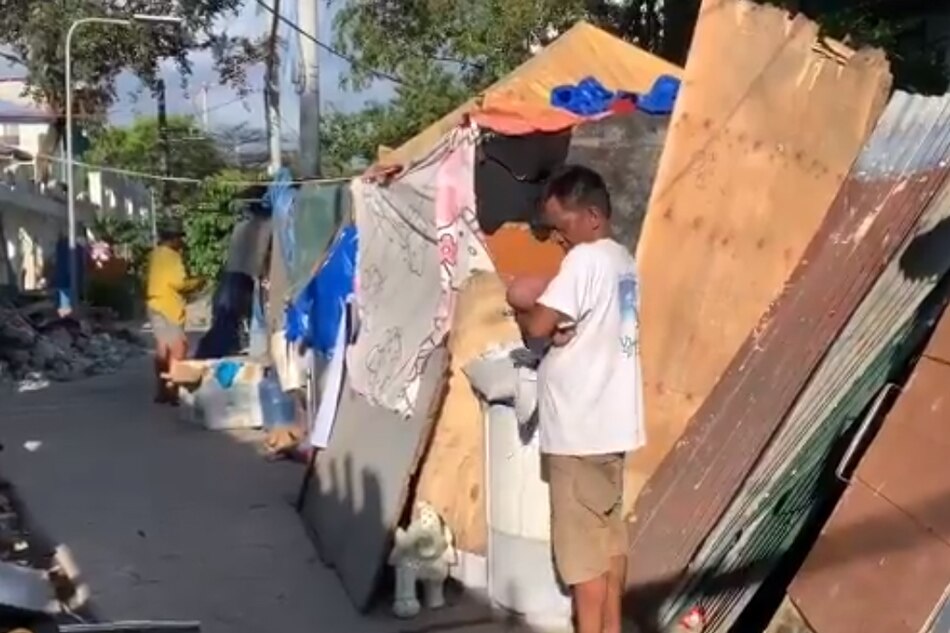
[419, 241]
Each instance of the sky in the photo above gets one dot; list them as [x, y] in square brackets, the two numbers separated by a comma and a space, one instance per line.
[225, 108]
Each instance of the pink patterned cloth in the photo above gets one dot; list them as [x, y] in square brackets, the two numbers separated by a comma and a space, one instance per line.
[419, 242]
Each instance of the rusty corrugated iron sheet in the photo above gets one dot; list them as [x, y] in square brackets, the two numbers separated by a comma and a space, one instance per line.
[896, 177]
[787, 485]
[882, 563]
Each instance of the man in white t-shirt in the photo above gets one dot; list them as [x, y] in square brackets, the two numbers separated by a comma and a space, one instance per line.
[590, 395]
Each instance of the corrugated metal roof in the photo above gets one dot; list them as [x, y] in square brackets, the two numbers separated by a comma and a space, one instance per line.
[903, 167]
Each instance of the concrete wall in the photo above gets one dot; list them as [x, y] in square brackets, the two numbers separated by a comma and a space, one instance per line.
[32, 218]
[118, 195]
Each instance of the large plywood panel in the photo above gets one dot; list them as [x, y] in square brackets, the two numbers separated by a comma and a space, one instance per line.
[453, 474]
[752, 161]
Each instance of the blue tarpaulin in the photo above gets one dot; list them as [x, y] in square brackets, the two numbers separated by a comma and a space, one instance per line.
[305, 219]
[314, 317]
[589, 97]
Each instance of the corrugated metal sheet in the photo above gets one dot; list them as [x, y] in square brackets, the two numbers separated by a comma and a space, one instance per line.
[895, 180]
[882, 563]
[581, 52]
[940, 622]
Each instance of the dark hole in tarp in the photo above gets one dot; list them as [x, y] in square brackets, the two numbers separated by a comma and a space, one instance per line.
[510, 172]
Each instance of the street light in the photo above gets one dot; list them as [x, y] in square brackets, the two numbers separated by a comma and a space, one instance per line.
[138, 18]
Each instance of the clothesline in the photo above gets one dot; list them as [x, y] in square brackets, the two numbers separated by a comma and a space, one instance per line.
[180, 179]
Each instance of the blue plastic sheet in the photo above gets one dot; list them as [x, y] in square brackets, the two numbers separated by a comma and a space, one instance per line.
[662, 96]
[226, 371]
[280, 197]
[314, 318]
[589, 97]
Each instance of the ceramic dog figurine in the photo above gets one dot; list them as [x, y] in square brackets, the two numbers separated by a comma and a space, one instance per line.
[422, 553]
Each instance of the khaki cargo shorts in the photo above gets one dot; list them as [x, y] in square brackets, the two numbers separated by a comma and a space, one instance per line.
[165, 331]
[587, 526]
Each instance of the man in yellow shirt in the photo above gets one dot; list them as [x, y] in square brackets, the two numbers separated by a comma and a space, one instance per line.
[166, 293]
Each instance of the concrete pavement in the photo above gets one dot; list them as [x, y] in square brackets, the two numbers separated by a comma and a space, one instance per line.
[168, 521]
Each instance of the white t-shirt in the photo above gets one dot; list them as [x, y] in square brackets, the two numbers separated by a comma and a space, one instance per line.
[590, 392]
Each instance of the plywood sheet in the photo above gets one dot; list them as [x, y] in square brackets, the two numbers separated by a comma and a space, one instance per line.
[361, 481]
[452, 477]
[752, 161]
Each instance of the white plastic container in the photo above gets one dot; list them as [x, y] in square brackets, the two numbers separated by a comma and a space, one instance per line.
[521, 575]
[218, 408]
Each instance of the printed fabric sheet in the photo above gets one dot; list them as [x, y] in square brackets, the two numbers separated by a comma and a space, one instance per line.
[419, 242]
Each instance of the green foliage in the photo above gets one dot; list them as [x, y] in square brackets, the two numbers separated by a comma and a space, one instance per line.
[139, 148]
[439, 52]
[205, 208]
[34, 34]
[915, 68]
[209, 218]
[130, 238]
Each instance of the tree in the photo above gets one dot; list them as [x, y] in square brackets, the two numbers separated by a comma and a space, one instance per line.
[209, 220]
[440, 52]
[205, 206]
[34, 33]
[138, 147]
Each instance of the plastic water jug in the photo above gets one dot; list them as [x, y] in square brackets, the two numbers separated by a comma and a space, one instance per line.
[277, 407]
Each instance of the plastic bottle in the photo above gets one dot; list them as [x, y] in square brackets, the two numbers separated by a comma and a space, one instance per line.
[277, 407]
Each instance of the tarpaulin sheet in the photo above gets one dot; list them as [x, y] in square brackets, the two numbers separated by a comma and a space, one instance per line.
[314, 316]
[419, 241]
[625, 149]
[305, 221]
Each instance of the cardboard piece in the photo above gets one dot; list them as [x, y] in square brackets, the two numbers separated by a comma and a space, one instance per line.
[452, 476]
[361, 481]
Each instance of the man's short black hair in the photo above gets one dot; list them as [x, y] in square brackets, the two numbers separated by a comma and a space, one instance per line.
[576, 187]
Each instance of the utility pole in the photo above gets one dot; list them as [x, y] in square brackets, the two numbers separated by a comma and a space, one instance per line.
[309, 89]
[163, 141]
[153, 219]
[204, 107]
[272, 93]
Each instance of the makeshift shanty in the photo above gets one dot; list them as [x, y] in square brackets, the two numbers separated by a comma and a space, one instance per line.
[458, 208]
[793, 260]
[736, 491]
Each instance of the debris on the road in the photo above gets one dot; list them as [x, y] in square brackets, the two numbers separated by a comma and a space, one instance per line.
[37, 346]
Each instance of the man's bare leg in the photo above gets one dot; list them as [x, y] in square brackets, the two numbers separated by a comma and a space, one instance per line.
[161, 366]
[589, 601]
[613, 621]
[176, 351]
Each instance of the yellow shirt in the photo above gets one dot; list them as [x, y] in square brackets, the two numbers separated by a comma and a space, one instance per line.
[167, 284]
